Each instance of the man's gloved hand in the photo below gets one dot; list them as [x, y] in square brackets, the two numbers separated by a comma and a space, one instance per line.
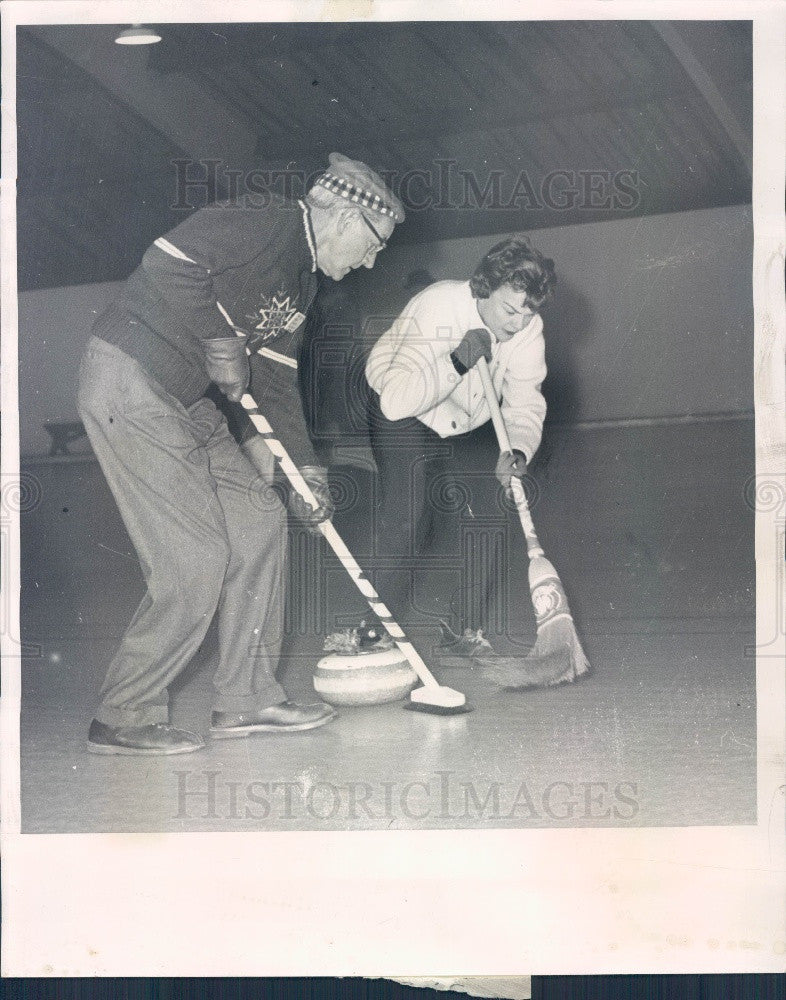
[475, 344]
[227, 365]
[510, 464]
[317, 479]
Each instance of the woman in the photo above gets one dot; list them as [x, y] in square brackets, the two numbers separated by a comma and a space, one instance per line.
[426, 406]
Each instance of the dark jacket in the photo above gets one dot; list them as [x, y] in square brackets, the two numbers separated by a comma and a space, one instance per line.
[224, 268]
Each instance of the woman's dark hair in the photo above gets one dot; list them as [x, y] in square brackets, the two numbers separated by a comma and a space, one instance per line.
[514, 262]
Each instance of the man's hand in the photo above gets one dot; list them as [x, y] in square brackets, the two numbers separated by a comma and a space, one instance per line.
[227, 365]
[475, 344]
[510, 464]
[317, 479]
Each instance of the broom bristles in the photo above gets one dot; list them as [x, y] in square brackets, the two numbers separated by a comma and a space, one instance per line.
[556, 658]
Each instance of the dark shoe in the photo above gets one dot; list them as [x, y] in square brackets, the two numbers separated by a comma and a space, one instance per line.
[461, 650]
[284, 718]
[157, 739]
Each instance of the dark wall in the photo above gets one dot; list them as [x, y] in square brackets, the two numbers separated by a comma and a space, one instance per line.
[652, 318]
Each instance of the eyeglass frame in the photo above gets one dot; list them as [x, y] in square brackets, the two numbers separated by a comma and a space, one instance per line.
[382, 243]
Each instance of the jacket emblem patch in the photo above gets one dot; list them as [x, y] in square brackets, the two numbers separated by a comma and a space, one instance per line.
[276, 314]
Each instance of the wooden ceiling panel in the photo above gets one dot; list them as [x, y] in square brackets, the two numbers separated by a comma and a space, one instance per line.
[491, 97]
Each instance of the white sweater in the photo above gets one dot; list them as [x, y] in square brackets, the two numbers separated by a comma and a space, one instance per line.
[411, 369]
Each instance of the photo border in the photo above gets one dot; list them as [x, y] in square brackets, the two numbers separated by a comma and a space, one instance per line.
[415, 903]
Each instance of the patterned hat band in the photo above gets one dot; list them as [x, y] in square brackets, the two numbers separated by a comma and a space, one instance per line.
[357, 195]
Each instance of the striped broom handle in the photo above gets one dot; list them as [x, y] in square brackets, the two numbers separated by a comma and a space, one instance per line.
[336, 542]
[503, 439]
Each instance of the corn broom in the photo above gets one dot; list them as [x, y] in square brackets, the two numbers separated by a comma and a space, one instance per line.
[557, 655]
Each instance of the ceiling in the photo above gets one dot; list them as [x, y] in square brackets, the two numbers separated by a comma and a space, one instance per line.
[483, 127]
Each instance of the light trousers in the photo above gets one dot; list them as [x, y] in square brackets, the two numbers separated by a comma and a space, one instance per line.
[210, 535]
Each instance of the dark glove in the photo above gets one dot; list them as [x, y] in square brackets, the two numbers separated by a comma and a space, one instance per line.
[227, 365]
[317, 479]
[476, 344]
[510, 464]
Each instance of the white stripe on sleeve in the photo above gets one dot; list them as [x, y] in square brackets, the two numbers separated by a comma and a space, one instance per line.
[172, 250]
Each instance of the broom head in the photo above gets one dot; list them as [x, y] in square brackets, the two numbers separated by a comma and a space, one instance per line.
[557, 656]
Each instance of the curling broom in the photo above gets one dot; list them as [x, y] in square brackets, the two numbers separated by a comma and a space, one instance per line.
[557, 655]
[432, 697]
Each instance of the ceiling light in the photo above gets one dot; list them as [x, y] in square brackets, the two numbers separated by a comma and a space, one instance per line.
[138, 34]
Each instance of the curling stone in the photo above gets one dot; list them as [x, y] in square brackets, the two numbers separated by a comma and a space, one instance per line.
[369, 678]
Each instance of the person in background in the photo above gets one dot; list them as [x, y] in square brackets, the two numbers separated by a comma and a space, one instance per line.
[427, 402]
[211, 540]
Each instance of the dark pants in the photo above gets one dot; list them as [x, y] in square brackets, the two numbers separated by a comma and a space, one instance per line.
[210, 537]
[437, 522]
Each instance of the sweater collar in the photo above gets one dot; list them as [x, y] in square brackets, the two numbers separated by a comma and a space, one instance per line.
[309, 231]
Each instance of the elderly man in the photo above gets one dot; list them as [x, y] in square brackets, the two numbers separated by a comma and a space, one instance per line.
[427, 399]
[210, 541]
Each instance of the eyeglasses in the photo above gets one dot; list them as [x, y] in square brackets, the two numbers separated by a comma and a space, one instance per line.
[382, 243]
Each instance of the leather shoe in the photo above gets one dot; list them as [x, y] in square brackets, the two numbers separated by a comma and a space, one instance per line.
[157, 739]
[288, 717]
